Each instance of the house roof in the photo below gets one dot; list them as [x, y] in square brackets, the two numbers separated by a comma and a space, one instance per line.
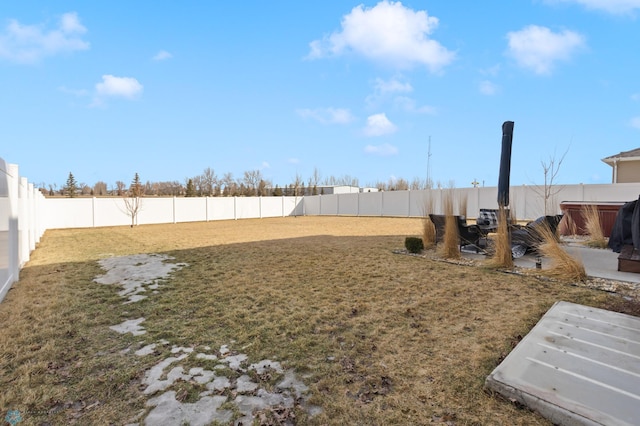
[634, 154]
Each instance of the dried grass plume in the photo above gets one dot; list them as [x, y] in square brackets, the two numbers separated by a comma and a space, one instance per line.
[593, 226]
[451, 237]
[564, 267]
[502, 257]
[428, 228]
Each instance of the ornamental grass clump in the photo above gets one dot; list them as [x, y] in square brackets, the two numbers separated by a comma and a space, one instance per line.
[567, 225]
[502, 257]
[451, 237]
[428, 228]
[564, 267]
[593, 226]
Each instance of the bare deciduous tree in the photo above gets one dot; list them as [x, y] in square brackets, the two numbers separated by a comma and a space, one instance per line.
[133, 199]
[251, 181]
[208, 181]
[100, 188]
[550, 189]
[120, 186]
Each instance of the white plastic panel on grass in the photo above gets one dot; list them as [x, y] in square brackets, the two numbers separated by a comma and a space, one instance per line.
[578, 366]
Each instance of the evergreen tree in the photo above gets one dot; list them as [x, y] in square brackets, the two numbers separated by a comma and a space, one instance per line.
[72, 186]
[136, 189]
[191, 189]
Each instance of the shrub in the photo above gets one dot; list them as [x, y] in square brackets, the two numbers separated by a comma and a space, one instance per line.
[413, 244]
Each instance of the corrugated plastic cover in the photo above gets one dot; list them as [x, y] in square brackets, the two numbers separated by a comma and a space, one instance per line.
[579, 365]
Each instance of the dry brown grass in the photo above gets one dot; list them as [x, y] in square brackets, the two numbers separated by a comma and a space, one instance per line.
[564, 267]
[501, 257]
[379, 338]
[593, 226]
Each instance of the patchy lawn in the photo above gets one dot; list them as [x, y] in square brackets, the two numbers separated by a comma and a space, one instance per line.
[374, 337]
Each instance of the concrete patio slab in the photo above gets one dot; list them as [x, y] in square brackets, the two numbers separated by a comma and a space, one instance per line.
[578, 366]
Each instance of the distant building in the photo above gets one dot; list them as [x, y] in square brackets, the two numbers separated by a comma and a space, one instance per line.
[319, 190]
[626, 166]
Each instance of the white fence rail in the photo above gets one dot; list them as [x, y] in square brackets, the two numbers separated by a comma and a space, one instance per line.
[526, 202]
[20, 223]
[25, 214]
[112, 211]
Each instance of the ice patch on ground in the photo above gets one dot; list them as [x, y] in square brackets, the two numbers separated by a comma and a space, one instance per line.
[146, 350]
[136, 273]
[246, 394]
[130, 326]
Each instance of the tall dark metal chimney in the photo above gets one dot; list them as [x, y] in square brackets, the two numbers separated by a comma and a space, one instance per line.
[505, 164]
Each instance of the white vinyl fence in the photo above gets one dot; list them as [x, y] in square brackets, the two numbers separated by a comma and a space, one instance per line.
[20, 223]
[525, 202]
[112, 211]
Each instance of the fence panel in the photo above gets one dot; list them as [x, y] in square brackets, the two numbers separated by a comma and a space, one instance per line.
[348, 204]
[190, 209]
[328, 204]
[110, 211]
[222, 208]
[395, 203]
[247, 207]
[69, 213]
[271, 207]
[155, 210]
[370, 204]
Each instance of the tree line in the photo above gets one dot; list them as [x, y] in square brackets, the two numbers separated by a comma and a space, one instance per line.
[209, 184]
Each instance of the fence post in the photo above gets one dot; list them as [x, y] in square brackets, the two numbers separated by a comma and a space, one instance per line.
[174, 209]
[235, 209]
[93, 212]
[13, 238]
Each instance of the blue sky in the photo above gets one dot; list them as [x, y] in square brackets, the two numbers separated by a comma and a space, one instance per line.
[167, 89]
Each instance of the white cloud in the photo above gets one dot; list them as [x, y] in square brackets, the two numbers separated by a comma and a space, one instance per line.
[75, 92]
[383, 89]
[265, 165]
[492, 71]
[610, 6]
[635, 97]
[30, 43]
[539, 48]
[293, 160]
[327, 115]
[394, 85]
[487, 88]
[388, 33]
[378, 125]
[162, 56]
[635, 122]
[409, 105]
[126, 87]
[383, 150]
